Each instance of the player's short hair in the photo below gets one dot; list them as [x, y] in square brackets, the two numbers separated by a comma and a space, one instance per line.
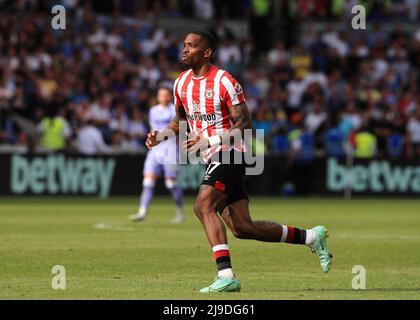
[208, 37]
[163, 87]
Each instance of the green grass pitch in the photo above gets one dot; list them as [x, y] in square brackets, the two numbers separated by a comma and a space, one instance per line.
[107, 257]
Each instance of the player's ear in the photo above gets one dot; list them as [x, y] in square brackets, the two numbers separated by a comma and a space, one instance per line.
[208, 53]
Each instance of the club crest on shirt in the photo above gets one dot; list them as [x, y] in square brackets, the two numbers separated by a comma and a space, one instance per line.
[238, 87]
[183, 94]
[209, 94]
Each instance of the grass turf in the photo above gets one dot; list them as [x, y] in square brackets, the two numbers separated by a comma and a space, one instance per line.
[108, 257]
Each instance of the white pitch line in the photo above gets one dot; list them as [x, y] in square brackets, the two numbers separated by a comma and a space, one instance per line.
[377, 236]
[112, 226]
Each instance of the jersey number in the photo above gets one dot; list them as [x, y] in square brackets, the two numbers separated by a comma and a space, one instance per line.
[212, 166]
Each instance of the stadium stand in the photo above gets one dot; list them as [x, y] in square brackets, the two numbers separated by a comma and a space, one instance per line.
[108, 63]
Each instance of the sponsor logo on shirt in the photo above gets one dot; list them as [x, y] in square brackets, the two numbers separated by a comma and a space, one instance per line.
[211, 118]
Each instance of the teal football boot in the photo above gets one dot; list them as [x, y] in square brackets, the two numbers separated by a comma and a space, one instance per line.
[223, 285]
[320, 248]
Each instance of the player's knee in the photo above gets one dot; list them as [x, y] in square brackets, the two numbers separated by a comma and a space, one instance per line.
[242, 231]
[170, 183]
[198, 209]
[149, 182]
[201, 208]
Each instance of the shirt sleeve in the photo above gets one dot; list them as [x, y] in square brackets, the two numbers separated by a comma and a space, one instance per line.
[177, 99]
[231, 91]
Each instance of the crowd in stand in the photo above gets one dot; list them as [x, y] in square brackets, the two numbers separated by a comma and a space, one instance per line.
[319, 95]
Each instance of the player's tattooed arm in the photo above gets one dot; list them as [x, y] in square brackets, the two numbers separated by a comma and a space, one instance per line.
[241, 117]
[155, 137]
[241, 121]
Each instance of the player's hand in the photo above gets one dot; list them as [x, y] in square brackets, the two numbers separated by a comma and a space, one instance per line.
[152, 139]
[196, 144]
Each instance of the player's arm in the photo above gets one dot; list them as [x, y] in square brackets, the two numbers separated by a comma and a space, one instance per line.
[241, 118]
[233, 96]
[155, 137]
[179, 116]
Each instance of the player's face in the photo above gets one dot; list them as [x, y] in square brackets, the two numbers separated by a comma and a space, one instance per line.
[163, 97]
[195, 51]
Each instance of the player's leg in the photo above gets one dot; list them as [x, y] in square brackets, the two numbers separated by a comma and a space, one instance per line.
[237, 217]
[149, 182]
[218, 183]
[205, 208]
[207, 202]
[171, 176]
[151, 172]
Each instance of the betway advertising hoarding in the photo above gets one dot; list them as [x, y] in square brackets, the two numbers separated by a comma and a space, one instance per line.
[103, 176]
[58, 174]
[376, 176]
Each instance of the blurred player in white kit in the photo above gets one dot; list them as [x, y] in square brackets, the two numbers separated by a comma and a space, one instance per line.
[161, 159]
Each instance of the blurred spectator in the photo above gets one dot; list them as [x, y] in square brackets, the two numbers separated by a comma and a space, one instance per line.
[149, 73]
[352, 116]
[119, 119]
[413, 135]
[137, 130]
[302, 143]
[100, 114]
[382, 127]
[311, 8]
[54, 131]
[295, 89]
[259, 24]
[221, 31]
[334, 141]
[300, 61]
[334, 40]
[229, 55]
[90, 140]
[277, 54]
[316, 116]
[365, 143]
[204, 9]
[413, 9]
[7, 86]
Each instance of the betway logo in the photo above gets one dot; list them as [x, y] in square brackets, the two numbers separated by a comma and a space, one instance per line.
[377, 176]
[57, 174]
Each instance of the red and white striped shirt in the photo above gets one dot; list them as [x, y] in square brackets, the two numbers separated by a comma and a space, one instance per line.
[206, 101]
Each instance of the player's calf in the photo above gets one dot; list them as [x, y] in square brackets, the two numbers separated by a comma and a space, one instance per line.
[244, 231]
